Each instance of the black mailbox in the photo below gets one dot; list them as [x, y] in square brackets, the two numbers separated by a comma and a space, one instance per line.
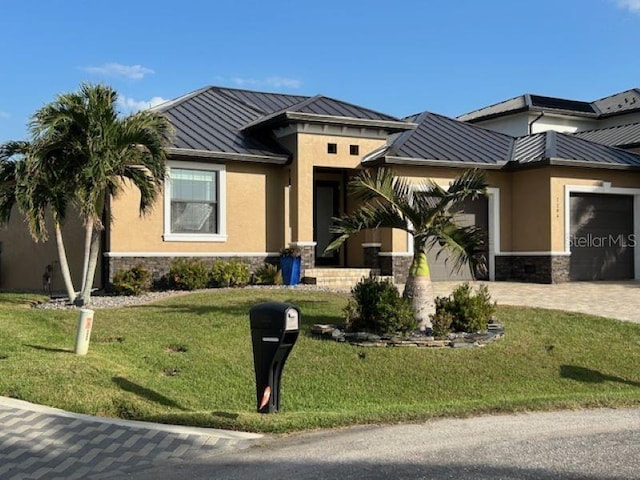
[274, 329]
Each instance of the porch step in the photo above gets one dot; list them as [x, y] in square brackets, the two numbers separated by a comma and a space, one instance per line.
[338, 278]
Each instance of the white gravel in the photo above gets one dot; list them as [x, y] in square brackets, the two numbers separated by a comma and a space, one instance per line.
[101, 301]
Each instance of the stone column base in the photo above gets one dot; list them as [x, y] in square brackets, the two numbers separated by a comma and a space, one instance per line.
[396, 265]
[533, 268]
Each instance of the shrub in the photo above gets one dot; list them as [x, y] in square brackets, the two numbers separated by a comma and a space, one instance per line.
[267, 274]
[133, 281]
[230, 273]
[469, 312]
[376, 306]
[441, 324]
[188, 274]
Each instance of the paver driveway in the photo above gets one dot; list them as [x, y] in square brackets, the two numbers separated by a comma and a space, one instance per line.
[619, 300]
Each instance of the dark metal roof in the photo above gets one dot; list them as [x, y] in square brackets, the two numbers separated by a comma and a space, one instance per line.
[215, 119]
[616, 104]
[618, 136]
[444, 141]
[210, 120]
[564, 149]
[442, 138]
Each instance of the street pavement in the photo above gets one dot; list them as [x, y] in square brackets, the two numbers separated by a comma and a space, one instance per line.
[587, 445]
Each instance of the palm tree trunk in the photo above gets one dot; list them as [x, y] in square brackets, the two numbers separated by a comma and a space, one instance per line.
[88, 231]
[91, 267]
[419, 290]
[64, 265]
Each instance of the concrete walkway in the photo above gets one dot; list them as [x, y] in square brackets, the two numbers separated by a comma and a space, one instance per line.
[620, 300]
[39, 442]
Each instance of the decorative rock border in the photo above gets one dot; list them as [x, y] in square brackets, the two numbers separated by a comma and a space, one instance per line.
[337, 333]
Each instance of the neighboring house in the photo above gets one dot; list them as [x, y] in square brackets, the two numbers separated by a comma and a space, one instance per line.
[253, 172]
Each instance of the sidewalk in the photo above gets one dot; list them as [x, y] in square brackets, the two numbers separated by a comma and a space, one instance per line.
[41, 442]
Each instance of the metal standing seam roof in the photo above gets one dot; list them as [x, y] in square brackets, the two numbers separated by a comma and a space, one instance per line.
[616, 104]
[566, 149]
[617, 136]
[214, 119]
[440, 140]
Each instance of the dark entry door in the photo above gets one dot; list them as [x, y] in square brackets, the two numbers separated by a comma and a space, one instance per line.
[602, 237]
[326, 205]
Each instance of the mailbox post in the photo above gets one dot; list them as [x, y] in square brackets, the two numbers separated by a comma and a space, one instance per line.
[274, 330]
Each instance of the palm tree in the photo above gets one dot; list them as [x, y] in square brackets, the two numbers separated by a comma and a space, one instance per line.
[107, 152]
[427, 212]
[26, 181]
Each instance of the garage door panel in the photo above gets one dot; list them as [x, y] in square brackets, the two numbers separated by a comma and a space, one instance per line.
[473, 212]
[601, 237]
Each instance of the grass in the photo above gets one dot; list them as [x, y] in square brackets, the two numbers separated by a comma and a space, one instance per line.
[188, 360]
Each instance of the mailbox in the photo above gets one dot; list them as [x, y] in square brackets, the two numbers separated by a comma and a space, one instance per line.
[274, 330]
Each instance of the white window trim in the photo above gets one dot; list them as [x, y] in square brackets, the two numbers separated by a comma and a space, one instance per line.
[606, 188]
[493, 207]
[221, 236]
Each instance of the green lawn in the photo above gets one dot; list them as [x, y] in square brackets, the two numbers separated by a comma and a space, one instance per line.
[188, 360]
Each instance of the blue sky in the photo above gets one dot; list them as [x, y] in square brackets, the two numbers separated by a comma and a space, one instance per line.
[399, 57]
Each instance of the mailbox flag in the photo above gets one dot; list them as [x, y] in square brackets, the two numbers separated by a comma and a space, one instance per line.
[265, 397]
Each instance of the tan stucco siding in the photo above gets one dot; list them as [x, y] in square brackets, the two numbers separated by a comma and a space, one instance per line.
[531, 206]
[563, 176]
[311, 152]
[254, 216]
[23, 261]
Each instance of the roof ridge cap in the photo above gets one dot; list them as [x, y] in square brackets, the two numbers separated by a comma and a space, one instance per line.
[164, 106]
[492, 105]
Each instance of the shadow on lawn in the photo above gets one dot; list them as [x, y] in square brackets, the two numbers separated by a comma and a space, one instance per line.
[145, 393]
[582, 374]
[49, 349]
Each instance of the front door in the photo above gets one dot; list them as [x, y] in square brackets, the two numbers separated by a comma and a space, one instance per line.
[326, 206]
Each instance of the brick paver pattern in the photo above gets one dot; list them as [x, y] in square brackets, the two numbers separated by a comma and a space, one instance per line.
[34, 445]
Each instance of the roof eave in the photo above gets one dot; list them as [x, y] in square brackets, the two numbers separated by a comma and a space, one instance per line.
[228, 156]
[284, 117]
[394, 160]
[566, 162]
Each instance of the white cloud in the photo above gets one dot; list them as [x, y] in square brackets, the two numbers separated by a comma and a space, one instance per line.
[275, 81]
[4, 114]
[133, 72]
[130, 105]
[631, 5]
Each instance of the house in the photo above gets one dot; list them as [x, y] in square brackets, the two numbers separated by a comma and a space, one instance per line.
[253, 172]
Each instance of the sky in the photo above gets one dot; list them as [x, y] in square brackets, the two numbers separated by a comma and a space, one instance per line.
[399, 57]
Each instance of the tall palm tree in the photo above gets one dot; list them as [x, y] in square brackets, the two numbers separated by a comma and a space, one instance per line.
[28, 183]
[427, 212]
[108, 151]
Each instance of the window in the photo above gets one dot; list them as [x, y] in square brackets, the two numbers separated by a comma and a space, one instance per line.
[194, 202]
[354, 149]
[332, 148]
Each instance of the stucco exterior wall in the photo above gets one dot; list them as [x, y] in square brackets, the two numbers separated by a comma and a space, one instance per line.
[254, 208]
[531, 205]
[311, 152]
[23, 261]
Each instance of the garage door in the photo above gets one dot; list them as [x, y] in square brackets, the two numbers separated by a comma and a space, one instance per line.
[601, 237]
[474, 212]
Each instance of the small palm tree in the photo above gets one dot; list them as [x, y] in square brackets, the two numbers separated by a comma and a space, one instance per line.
[26, 182]
[105, 152]
[427, 212]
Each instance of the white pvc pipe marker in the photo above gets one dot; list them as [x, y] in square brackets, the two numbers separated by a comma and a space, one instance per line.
[83, 334]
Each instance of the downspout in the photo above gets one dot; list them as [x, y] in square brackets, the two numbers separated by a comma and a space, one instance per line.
[534, 121]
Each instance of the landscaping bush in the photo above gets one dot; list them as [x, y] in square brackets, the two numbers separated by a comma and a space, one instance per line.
[188, 274]
[230, 273]
[441, 324]
[469, 312]
[267, 274]
[376, 306]
[133, 281]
